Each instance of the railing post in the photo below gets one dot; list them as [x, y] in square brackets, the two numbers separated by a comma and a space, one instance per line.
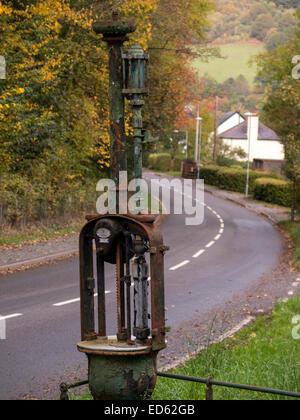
[209, 389]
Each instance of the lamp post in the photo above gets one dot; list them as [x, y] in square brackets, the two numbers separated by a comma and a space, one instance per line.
[248, 115]
[200, 145]
[123, 366]
[135, 88]
[115, 34]
[198, 119]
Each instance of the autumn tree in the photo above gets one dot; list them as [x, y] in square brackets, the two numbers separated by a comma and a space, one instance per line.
[282, 104]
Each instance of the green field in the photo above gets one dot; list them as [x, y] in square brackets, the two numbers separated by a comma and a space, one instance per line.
[236, 62]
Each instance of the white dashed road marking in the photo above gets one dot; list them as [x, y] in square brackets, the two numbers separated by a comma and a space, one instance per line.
[210, 244]
[68, 302]
[11, 316]
[202, 251]
[180, 265]
[198, 254]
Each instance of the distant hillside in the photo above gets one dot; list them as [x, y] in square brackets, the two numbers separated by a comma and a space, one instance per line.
[236, 20]
[235, 62]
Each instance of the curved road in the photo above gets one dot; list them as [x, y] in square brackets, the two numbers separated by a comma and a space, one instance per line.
[206, 266]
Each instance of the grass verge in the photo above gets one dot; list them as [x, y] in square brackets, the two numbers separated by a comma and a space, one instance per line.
[43, 231]
[294, 231]
[264, 354]
[39, 232]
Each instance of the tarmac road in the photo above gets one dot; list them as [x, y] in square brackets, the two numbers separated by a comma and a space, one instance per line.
[206, 266]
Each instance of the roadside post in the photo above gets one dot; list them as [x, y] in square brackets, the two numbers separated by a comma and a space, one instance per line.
[122, 362]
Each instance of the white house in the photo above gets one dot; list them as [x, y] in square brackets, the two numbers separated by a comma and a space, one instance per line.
[229, 120]
[260, 142]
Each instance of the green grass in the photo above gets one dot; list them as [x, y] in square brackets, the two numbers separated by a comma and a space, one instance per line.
[294, 230]
[236, 62]
[264, 354]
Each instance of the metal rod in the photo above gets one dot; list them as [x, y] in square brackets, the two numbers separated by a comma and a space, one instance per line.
[209, 389]
[101, 296]
[122, 335]
[128, 288]
[87, 287]
[230, 385]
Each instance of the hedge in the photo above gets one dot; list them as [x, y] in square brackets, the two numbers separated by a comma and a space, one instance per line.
[232, 179]
[160, 161]
[22, 201]
[275, 191]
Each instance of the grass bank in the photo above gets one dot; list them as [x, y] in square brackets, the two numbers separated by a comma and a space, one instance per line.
[294, 231]
[264, 354]
[40, 232]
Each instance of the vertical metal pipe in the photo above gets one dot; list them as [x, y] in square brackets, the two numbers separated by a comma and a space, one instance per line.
[128, 288]
[101, 296]
[117, 111]
[87, 286]
[122, 335]
[115, 34]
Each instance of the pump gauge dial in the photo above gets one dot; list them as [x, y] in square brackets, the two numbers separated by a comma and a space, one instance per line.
[104, 235]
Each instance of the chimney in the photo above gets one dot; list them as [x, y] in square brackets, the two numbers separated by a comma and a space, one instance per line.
[252, 130]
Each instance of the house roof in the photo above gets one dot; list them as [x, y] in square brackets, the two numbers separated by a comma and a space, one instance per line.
[240, 132]
[228, 115]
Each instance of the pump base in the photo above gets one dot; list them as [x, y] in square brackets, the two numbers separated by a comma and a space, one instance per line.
[119, 371]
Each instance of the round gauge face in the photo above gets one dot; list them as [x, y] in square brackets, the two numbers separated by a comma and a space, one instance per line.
[103, 233]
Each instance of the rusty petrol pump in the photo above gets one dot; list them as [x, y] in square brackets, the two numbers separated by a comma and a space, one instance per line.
[123, 366]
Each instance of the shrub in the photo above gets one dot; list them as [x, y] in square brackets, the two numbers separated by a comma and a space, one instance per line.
[274, 191]
[23, 201]
[232, 179]
[160, 161]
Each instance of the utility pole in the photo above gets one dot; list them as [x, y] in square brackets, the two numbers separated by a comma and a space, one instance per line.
[187, 143]
[197, 133]
[216, 129]
[200, 144]
[248, 115]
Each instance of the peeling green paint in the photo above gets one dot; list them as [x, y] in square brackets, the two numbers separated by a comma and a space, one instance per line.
[122, 377]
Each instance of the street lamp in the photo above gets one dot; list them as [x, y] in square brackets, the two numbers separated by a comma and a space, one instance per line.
[248, 115]
[135, 88]
[135, 72]
[199, 143]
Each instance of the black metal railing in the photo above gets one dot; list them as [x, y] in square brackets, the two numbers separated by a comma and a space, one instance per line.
[209, 382]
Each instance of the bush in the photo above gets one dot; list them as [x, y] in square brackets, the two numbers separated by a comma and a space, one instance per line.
[160, 161]
[275, 191]
[232, 179]
[22, 201]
